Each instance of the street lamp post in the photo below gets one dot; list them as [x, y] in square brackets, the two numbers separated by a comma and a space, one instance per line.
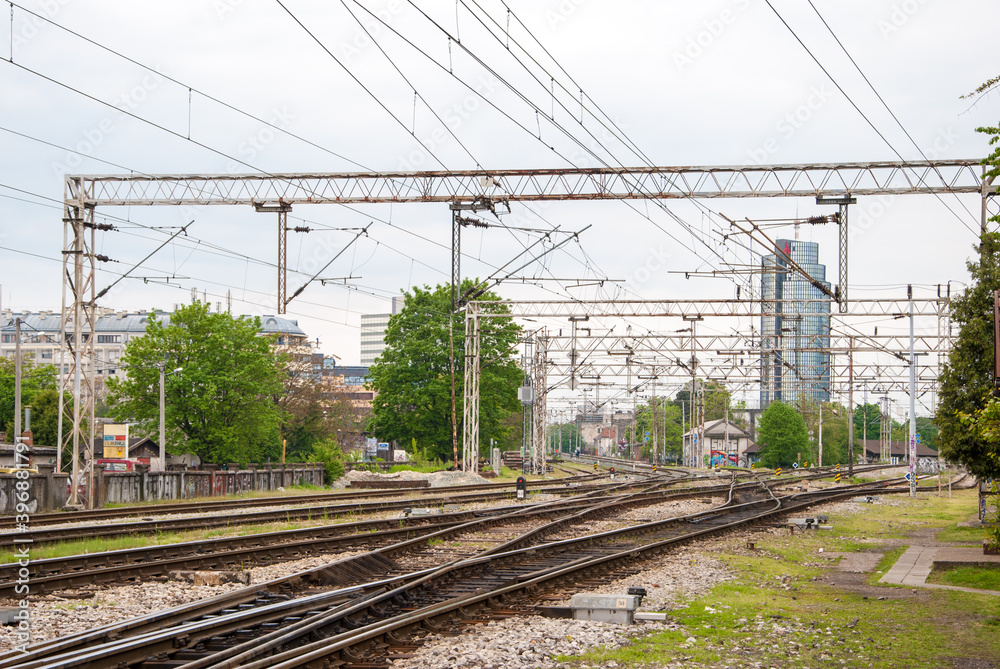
[163, 412]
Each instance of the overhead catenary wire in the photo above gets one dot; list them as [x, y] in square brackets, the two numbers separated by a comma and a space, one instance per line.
[858, 109]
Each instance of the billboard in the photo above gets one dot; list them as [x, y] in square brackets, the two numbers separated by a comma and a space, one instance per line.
[116, 441]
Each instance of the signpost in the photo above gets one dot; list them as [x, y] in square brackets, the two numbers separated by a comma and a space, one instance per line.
[116, 442]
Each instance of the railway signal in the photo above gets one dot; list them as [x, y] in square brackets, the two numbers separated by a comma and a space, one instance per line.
[522, 487]
[612, 473]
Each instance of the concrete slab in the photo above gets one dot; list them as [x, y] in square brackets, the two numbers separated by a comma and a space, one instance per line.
[915, 565]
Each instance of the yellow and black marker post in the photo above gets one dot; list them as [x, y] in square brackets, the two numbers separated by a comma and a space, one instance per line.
[777, 472]
[654, 468]
[836, 479]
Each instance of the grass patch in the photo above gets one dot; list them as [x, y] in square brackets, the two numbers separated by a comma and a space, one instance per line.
[774, 614]
[979, 577]
[100, 545]
[965, 535]
[423, 467]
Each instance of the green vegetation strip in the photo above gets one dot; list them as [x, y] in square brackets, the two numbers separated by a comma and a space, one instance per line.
[979, 577]
[787, 607]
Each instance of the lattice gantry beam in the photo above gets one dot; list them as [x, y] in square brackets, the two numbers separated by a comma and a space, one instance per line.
[681, 308]
[745, 181]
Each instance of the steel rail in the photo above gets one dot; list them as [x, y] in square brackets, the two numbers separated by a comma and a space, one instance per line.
[55, 573]
[383, 630]
[60, 517]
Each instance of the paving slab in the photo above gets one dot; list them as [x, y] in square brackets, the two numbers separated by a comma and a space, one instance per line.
[915, 565]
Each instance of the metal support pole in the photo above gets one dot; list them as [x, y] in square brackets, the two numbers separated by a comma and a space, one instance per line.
[843, 257]
[541, 364]
[913, 404]
[820, 463]
[470, 435]
[17, 381]
[163, 418]
[282, 261]
[850, 407]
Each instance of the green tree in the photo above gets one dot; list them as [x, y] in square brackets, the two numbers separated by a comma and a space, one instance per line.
[712, 395]
[870, 416]
[967, 379]
[45, 416]
[660, 418]
[220, 405]
[328, 452]
[782, 435]
[34, 379]
[564, 437]
[412, 376]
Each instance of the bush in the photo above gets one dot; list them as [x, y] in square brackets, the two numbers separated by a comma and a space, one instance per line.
[329, 453]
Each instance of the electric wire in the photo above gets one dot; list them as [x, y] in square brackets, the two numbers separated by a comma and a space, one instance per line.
[857, 108]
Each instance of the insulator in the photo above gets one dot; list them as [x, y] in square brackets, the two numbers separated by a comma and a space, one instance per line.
[300, 228]
[102, 258]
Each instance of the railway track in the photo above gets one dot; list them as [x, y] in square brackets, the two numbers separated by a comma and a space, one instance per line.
[268, 548]
[336, 622]
[441, 496]
[7, 522]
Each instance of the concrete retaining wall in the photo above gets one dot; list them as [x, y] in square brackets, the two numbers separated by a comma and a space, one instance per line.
[46, 492]
[132, 487]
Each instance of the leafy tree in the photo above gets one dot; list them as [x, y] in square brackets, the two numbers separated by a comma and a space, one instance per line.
[716, 399]
[967, 378]
[221, 403]
[782, 435]
[315, 409]
[45, 416]
[661, 418]
[564, 437]
[834, 430]
[871, 415]
[412, 376]
[34, 379]
[928, 432]
[328, 452]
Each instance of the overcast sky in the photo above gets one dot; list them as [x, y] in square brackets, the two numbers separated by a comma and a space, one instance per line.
[690, 83]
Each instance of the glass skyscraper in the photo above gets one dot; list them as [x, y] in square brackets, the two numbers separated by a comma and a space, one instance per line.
[795, 326]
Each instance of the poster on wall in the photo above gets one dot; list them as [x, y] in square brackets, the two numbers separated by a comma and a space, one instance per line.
[116, 442]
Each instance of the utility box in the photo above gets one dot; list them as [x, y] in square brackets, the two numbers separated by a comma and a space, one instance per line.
[605, 608]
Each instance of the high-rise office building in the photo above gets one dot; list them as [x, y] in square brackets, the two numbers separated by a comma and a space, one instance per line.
[373, 332]
[795, 327]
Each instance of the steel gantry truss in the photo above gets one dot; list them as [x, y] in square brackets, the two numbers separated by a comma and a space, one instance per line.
[662, 343]
[83, 194]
